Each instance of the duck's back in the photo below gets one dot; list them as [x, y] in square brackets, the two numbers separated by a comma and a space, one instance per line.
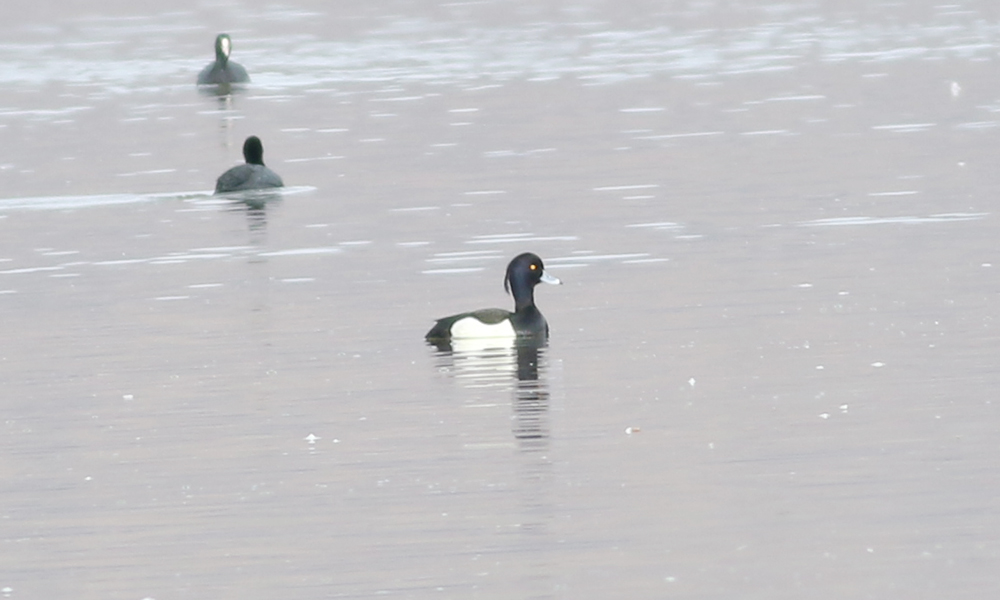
[484, 323]
[247, 177]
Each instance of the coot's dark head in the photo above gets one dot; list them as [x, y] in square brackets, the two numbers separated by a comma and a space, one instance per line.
[223, 46]
[523, 274]
[253, 151]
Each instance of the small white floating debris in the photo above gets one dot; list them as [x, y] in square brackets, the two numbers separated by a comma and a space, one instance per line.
[820, 367]
[691, 382]
[824, 415]
[311, 438]
[956, 89]
[987, 264]
[843, 408]
[878, 364]
[805, 285]
[127, 396]
[631, 430]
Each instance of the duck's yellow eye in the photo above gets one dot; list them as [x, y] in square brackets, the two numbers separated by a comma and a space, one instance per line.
[533, 267]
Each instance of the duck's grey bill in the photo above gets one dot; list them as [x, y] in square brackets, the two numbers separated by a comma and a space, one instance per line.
[546, 278]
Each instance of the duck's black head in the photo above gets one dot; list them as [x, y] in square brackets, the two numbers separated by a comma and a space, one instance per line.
[253, 151]
[223, 46]
[523, 274]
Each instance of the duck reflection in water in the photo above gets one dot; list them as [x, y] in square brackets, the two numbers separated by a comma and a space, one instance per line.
[531, 398]
[517, 364]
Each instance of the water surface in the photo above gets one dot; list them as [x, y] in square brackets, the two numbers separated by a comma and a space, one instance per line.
[772, 359]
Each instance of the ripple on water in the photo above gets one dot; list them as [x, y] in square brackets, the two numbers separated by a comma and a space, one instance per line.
[450, 263]
[174, 258]
[625, 188]
[905, 220]
[71, 202]
[658, 226]
[199, 199]
[301, 252]
[106, 51]
[477, 255]
[507, 238]
[583, 259]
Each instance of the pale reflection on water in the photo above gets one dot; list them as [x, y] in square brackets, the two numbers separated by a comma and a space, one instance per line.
[256, 204]
[514, 365]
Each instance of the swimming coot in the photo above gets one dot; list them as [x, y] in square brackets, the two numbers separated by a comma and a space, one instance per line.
[223, 70]
[252, 175]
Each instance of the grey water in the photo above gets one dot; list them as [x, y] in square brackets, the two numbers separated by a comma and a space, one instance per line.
[773, 355]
